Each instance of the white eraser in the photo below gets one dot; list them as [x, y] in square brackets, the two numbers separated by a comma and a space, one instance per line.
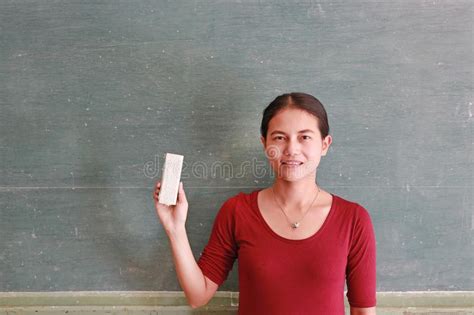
[170, 179]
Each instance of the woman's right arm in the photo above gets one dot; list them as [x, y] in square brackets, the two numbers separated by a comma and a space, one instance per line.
[197, 287]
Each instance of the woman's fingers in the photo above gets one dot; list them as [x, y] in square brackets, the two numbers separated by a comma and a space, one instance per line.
[156, 192]
[181, 193]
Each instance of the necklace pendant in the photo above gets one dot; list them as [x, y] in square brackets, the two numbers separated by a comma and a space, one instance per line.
[295, 225]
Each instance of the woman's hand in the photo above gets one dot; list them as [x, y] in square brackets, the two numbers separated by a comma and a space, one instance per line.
[172, 218]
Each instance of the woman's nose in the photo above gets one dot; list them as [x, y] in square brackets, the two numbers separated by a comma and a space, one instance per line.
[292, 148]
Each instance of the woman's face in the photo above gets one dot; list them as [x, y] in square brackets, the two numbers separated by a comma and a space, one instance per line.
[293, 145]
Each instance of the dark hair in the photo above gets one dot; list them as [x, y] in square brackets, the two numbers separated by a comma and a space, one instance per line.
[297, 100]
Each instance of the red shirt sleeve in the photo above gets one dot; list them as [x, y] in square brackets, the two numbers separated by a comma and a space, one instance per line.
[361, 262]
[218, 256]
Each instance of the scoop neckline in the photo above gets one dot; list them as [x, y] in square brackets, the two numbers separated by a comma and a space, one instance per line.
[288, 240]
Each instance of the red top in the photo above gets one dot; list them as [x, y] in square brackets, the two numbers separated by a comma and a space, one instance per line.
[283, 276]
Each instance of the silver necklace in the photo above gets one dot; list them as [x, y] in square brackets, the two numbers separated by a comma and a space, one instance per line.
[296, 224]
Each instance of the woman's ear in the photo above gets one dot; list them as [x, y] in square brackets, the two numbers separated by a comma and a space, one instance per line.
[262, 140]
[326, 143]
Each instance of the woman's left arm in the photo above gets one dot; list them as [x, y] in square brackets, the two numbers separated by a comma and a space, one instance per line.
[361, 265]
[363, 311]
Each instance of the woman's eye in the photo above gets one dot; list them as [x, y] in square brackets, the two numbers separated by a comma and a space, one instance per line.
[278, 138]
[306, 137]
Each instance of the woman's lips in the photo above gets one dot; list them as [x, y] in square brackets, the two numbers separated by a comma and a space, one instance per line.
[291, 163]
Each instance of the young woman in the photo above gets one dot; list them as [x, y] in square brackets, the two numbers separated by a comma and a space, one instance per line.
[296, 243]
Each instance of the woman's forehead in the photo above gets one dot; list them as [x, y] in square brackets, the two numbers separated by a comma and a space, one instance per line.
[291, 119]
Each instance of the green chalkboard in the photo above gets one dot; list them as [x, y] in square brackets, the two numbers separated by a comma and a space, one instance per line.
[93, 93]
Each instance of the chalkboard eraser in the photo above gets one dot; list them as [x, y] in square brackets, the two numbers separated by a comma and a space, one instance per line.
[170, 179]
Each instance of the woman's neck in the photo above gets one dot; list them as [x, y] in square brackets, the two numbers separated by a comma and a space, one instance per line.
[297, 195]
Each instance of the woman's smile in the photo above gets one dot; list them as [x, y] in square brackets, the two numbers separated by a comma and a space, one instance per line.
[291, 164]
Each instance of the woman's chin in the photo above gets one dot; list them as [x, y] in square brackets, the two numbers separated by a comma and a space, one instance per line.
[292, 177]
[295, 175]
